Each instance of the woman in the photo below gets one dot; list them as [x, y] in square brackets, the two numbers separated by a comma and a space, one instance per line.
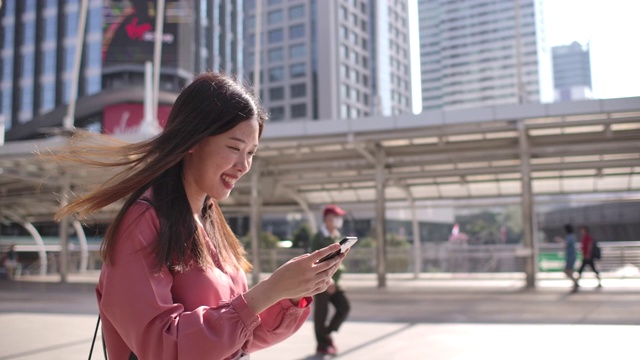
[173, 285]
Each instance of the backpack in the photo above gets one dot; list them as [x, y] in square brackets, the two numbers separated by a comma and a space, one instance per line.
[596, 253]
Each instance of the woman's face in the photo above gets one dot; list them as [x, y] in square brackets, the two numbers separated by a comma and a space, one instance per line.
[214, 165]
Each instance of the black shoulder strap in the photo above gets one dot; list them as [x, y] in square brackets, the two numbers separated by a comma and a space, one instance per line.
[95, 334]
[132, 356]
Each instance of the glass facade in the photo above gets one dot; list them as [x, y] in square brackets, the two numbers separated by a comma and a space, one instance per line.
[6, 84]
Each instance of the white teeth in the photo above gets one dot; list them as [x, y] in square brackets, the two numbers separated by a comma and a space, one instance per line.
[228, 179]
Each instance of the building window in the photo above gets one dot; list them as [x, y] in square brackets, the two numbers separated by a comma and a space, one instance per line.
[276, 55]
[276, 36]
[344, 91]
[296, 51]
[274, 2]
[296, 31]
[276, 113]
[276, 74]
[298, 70]
[344, 32]
[276, 93]
[250, 22]
[298, 90]
[274, 17]
[298, 110]
[344, 14]
[296, 12]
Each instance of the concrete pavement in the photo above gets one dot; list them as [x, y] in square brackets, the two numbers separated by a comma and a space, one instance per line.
[438, 316]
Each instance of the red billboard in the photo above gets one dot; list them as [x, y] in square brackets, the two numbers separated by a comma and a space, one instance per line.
[126, 118]
[129, 31]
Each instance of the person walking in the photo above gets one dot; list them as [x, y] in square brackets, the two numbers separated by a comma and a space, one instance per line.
[587, 255]
[173, 284]
[570, 255]
[328, 234]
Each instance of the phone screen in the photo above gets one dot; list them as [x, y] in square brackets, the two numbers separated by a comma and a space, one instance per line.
[345, 244]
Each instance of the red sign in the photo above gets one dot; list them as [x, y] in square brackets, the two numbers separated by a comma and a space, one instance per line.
[127, 118]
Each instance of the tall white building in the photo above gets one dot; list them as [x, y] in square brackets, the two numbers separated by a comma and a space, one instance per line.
[482, 52]
[331, 59]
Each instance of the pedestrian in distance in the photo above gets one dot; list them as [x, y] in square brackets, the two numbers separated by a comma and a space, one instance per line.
[173, 284]
[588, 258]
[570, 255]
[11, 263]
[329, 233]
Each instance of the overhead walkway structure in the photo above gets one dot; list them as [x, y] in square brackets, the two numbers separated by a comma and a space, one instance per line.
[509, 151]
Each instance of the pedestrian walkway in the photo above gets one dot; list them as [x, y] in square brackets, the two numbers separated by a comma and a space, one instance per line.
[444, 316]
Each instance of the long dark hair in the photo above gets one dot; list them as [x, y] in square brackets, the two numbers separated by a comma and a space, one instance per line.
[212, 104]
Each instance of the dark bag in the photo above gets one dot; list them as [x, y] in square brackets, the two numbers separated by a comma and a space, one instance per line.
[596, 253]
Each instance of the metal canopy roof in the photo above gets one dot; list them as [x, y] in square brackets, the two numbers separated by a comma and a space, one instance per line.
[579, 147]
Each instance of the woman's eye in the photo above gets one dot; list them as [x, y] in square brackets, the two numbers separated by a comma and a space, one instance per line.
[234, 148]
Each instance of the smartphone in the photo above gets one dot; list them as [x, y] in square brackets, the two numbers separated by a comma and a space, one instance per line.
[345, 244]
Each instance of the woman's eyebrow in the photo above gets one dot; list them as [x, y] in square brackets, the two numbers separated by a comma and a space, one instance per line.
[238, 139]
[241, 140]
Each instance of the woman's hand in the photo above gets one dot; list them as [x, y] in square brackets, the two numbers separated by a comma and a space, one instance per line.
[299, 277]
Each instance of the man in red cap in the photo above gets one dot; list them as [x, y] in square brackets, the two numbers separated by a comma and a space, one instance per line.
[328, 234]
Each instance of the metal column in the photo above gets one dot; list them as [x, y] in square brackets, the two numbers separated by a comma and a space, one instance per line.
[63, 230]
[84, 248]
[381, 245]
[528, 222]
[42, 253]
[255, 225]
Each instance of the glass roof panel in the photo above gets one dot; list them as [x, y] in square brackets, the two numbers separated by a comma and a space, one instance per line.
[483, 189]
[510, 187]
[578, 184]
[545, 185]
[612, 183]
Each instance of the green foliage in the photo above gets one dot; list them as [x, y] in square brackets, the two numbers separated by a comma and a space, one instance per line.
[485, 227]
[267, 240]
[302, 236]
[393, 240]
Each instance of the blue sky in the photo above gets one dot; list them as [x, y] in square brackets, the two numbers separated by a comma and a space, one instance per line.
[612, 29]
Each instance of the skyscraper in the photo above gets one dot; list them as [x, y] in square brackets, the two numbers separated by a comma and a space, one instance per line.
[38, 40]
[482, 52]
[571, 72]
[38, 47]
[331, 59]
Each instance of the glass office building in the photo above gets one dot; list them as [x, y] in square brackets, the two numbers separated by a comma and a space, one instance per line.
[38, 42]
[482, 52]
[330, 59]
[571, 72]
[38, 47]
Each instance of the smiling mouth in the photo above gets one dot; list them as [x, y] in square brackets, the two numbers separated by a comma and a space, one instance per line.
[229, 181]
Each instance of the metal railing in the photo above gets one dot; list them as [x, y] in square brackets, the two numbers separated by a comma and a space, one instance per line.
[442, 257]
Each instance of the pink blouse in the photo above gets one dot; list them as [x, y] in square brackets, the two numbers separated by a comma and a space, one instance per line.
[197, 314]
